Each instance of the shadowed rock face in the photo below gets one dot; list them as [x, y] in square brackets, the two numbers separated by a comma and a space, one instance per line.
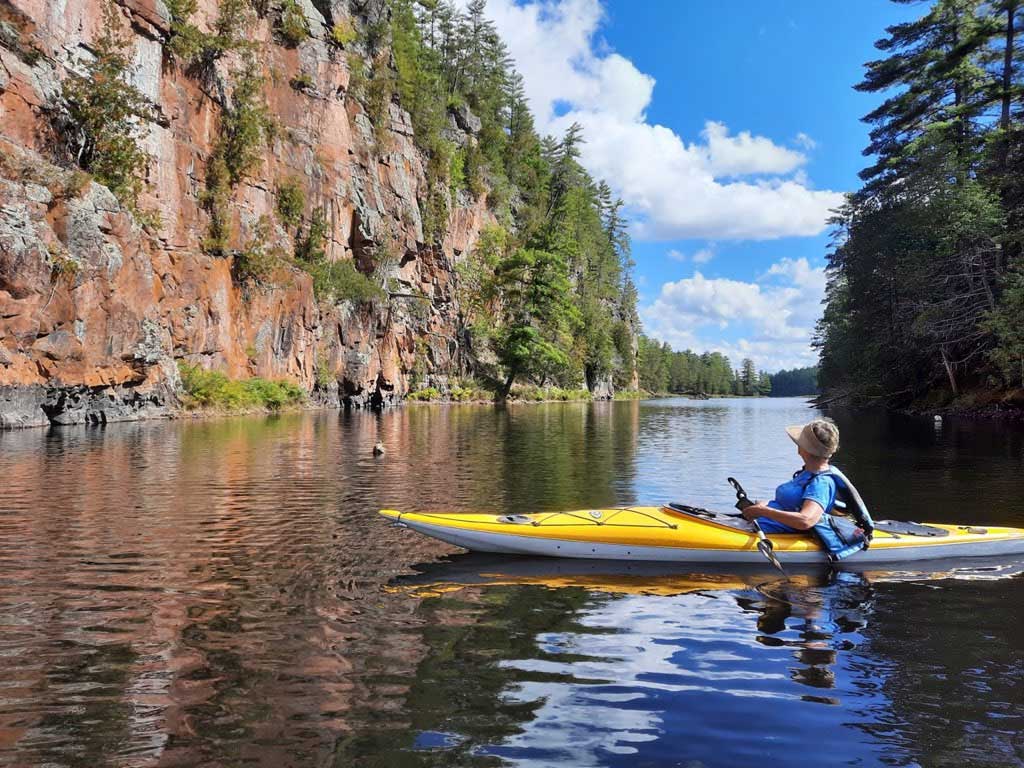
[95, 310]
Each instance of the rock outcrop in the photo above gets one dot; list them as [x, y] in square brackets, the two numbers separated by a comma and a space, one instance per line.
[97, 308]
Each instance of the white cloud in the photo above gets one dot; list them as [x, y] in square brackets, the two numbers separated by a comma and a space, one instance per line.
[804, 141]
[704, 255]
[799, 272]
[775, 314]
[676, 189]
[746, 154]
[700, 256]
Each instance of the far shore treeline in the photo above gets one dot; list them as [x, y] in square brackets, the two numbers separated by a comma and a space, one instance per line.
[663, 370]
[925, 300]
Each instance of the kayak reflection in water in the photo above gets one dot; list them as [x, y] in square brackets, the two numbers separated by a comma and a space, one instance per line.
[801, 504]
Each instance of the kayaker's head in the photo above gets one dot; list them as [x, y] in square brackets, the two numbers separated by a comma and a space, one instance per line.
[816, 441]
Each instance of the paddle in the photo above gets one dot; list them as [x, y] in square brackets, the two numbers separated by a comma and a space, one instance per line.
[764, 544]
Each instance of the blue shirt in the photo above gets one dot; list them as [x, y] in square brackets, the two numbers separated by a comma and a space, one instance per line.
[791, 495]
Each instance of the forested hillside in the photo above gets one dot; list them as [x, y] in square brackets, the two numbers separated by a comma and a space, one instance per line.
[926, 290]
[548, 288]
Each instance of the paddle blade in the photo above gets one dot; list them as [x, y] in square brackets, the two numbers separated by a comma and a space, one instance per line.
[765, 547]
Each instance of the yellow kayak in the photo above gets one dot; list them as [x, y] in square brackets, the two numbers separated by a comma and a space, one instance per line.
[664, 534]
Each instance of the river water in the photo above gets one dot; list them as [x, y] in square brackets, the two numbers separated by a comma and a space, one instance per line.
[223, 593]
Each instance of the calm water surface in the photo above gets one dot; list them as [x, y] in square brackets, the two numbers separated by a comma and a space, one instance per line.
[222, 593]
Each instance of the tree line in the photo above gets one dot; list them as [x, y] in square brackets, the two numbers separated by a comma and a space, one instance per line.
[663, 370]
[547, 291]
[926, 288]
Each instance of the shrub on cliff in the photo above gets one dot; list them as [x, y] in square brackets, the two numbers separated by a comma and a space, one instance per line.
[198, 49]
[341, 281]
[343, 33]
[291, 202]
[292, 25]
[311, 248]
[257, 261]
[332, 280]
[107, 114]
[246, 127]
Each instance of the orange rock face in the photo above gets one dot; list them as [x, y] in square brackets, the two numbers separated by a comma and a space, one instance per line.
[96, 310]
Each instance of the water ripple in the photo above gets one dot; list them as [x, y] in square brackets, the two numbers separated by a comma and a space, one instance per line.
[222, 592]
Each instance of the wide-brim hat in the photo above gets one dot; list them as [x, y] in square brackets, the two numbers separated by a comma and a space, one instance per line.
[803, 435]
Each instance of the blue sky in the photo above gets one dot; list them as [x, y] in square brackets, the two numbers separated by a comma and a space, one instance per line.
[730, 130]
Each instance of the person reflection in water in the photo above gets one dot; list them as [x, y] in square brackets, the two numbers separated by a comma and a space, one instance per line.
[800, 503]
[817, 616]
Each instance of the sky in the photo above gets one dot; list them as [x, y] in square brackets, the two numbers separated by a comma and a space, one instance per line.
[730, 131]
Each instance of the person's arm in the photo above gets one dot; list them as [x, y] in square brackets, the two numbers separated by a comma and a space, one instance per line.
[808, 516]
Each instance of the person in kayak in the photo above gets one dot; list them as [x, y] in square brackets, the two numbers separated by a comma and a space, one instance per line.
[800, 503]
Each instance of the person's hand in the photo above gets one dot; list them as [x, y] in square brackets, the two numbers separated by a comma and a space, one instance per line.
[752, 512]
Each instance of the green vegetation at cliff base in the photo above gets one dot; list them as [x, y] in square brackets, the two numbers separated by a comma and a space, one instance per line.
[213, 391]
[479, 393]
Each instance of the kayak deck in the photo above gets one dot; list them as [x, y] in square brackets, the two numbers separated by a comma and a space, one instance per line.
[666, 534]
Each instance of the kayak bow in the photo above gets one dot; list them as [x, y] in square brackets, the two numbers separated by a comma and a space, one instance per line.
[674, 535]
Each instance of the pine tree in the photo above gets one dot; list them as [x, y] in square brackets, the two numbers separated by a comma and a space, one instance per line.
[108, 113]
[922, 249]
[537, 314]
[748, 377]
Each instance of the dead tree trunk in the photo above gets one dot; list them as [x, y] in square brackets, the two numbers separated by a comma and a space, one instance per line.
[948, 365]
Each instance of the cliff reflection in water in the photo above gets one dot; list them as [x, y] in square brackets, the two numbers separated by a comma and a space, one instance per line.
[222, 592]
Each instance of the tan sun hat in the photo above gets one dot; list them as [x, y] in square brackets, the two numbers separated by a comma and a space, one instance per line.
[819, 438]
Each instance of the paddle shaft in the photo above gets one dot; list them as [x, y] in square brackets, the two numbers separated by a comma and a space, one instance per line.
[764, 544]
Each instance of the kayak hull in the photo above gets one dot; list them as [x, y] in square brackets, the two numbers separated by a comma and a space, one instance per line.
[683, 540]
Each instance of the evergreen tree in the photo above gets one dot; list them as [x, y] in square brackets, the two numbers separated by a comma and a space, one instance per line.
[748, 377]
[536, 314]
[107, 113]
[918, 288]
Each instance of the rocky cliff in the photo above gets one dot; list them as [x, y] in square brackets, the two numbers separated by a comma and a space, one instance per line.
[98, 306]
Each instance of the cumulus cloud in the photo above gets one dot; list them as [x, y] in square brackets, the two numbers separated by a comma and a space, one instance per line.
[774, 315]
[724, 186]
[746, 154]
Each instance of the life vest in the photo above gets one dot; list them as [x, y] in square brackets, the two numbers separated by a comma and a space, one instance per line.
[838, 535]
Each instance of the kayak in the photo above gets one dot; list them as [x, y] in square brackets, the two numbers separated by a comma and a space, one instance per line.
[668, 534]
